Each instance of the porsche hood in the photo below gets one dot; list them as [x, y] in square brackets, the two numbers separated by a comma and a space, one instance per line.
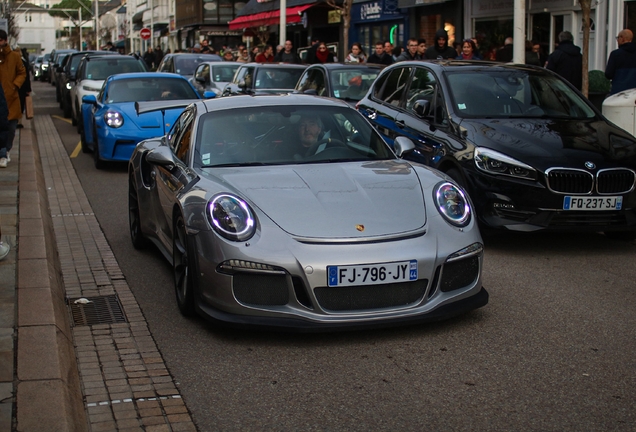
[338, 200]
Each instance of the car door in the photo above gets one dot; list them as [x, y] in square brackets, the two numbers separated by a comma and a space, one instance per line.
[201, 79]
[387, 102]
[171, 180]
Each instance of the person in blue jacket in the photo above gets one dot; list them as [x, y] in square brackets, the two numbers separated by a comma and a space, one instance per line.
[621, 65]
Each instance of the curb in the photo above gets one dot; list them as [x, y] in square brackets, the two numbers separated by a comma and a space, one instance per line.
[47, 386]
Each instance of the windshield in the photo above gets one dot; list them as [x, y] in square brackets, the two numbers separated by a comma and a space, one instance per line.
[100, 69]
[280, 135]
[277, 78]
[352, 84]
[223, 73]
[514, 93]
[149, 89]
[187, 64]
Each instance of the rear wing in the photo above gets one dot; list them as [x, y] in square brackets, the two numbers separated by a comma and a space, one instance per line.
[144, 107]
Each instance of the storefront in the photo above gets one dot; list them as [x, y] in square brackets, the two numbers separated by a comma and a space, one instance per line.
[379, 20]
[491, 22]
[428, 16]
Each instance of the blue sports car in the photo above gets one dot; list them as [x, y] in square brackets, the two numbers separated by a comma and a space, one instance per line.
[112, 127]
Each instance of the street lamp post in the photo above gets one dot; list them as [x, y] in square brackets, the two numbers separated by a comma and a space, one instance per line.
[283, 23]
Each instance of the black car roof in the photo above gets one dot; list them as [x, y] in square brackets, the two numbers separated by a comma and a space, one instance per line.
[246, 101]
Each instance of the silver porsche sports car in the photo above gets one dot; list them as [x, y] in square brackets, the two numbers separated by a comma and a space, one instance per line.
[292, 212]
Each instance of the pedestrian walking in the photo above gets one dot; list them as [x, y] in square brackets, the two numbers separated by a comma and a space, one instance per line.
[287, 54]
[469, 51]
[440, 49]
[505, 53]
[12, 76]
[567, 61]
[25, 89]
[621, 65]
[356, 54]
[411, 51]
[267, 56]
[149, 58]
[379, 56]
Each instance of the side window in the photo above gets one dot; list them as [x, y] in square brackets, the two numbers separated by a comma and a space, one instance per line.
[181, 133]
[422, 87]
[378, 85]
[304, 83]
[395, 86]
[319, 79]
[203, 71]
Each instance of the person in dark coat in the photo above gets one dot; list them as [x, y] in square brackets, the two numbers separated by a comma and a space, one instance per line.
[567, 61]
[505, 53]
[621, 65]
[440, 48]
[149, 58]
[287, 54]
[532, 57]
[411, 51]
[323, 55]
[4, 128]
[379, 56]
[25, 89]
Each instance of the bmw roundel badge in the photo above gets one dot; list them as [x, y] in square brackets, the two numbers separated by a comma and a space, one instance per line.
[590, 165]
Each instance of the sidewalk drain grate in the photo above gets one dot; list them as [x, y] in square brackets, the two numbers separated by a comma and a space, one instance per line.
[98, 310]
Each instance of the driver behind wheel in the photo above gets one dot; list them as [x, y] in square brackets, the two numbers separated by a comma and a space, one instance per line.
[309, 131]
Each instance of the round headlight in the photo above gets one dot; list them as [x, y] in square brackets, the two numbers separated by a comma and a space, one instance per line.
[231, 217]
[114, 119]
[452, 204]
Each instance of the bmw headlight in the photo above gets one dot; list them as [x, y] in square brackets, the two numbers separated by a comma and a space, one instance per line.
[114, 119]
[68, 86]
[231, 217]
[494, 162]
[452, 203]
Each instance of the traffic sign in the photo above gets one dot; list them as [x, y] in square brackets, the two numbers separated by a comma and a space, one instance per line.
[144, 33]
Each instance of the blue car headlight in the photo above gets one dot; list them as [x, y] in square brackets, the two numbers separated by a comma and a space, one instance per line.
[114, 119]
[452, 204]
[494, 162]
[231, 217]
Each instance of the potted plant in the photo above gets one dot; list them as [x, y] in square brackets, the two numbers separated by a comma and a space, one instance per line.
[599, 87]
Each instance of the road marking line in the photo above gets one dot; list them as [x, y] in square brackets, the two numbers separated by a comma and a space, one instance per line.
[77, 150]
[62, 118]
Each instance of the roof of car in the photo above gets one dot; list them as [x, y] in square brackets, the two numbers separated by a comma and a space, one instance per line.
[153, 75]
[281, 65]
[204, 55]
[348, 65]
[468, 64]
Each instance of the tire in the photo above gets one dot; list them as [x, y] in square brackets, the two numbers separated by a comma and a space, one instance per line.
[182, 269]
[139, 241]
[85, 148]
[66, 107]
[99, 164]
[73, 118]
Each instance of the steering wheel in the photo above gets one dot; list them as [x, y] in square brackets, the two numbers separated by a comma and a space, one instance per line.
[330, 142]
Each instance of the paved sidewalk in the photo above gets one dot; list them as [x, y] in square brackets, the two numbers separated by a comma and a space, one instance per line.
[67, 365]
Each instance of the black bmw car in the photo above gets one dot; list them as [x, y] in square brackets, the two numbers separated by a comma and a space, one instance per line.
[532, 152]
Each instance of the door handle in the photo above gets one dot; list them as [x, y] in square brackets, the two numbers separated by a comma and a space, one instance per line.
[400, 124]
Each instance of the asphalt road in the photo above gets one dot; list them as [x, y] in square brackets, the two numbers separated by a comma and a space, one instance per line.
[553, 350]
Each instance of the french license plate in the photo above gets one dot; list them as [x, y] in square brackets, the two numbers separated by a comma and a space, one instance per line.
[372, 274]
[593, 203]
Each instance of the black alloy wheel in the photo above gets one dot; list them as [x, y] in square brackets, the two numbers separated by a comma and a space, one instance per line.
[182, 269]
[139, 241]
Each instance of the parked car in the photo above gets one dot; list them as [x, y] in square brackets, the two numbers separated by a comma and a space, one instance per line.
[264, 78]
[264, 230]
[92, 71]
[213, 76]
[45, 67]
[56, 76]
[348, 82]
[185, 63]
[54, 63]
[112, 128]
[532, 152]
[37, 68]
[67, 77]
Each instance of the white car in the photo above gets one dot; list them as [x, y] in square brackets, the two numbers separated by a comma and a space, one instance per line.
[91, 74]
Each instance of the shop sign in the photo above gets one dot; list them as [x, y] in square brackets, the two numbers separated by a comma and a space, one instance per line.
[370, 11]
[333, 17]
[493, 7]
[551, 4]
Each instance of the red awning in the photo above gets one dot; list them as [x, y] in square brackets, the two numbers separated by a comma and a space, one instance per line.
[268, 18]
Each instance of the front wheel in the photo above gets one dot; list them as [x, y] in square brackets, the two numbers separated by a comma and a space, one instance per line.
[182, 269]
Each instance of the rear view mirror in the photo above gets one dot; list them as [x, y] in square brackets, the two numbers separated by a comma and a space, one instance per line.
[422, 108]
